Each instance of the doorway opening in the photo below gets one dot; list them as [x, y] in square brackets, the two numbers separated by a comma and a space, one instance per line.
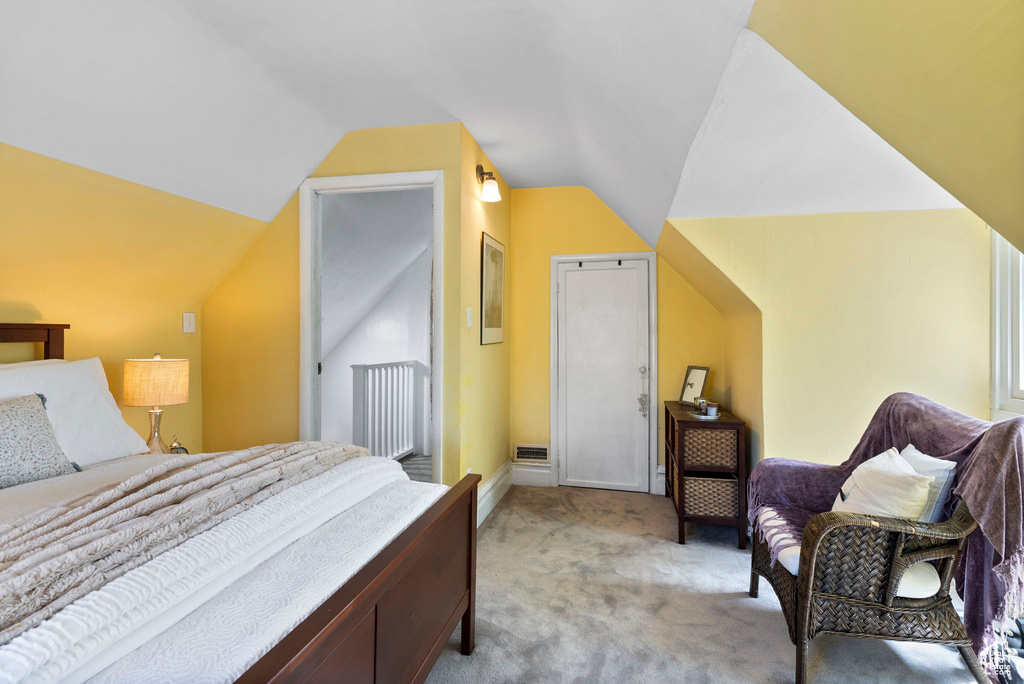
[370, 355]
[604, 371]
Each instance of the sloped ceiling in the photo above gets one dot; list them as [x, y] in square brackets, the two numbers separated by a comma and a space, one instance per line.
[941, 80]
[369, 240]
[775, 143]
[233, 102]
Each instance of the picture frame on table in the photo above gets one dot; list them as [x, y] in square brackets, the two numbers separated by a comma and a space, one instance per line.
[693, 384]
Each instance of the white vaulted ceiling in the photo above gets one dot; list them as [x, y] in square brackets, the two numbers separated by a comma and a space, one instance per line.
[775, 143]
[234, 102]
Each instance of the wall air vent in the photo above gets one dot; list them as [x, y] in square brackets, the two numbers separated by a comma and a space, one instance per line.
[531, 453]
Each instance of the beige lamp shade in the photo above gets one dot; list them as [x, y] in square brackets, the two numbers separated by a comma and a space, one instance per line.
[155, 382]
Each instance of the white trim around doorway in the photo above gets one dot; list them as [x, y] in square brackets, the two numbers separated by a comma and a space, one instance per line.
[309, 289]
[652, 303]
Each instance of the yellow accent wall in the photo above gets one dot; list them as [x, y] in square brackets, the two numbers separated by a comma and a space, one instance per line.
[740, 384]
[855, 307]
[484, 369]
[118, 261]
[941, 80]
[251, 338]
[572, 220]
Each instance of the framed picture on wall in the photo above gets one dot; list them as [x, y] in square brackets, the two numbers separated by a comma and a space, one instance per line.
[693, 384]
[492, 291]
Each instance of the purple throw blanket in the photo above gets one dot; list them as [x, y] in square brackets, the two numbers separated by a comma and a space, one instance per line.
[990, 472]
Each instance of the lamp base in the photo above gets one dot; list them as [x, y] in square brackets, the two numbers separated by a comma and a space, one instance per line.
[155, 442]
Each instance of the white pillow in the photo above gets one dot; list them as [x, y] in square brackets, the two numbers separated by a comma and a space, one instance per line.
[85, 418]
[29, 364]
[944, 473]
[884, 485]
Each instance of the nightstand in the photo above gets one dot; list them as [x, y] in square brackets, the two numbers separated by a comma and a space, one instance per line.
[706, 469]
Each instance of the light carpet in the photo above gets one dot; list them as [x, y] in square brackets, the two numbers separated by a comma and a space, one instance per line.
[585, 585]
[418, 467]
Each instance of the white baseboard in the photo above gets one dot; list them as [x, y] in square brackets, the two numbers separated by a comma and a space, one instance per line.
[540, 476]
[492, 491]
[533, 475]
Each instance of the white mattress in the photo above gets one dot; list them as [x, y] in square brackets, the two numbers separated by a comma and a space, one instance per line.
[215, 629]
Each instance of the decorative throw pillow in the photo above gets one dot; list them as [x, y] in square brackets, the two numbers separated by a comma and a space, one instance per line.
[28, 447]
[884, 485]
[944, 473]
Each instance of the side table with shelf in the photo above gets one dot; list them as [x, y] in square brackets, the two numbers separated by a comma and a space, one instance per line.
[706, 469]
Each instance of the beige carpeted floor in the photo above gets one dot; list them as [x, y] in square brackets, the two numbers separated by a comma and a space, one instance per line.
[583, 585]
[418, 467]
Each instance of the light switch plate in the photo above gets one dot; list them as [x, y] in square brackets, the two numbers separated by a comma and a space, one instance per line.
[188, 322]
[469, 317]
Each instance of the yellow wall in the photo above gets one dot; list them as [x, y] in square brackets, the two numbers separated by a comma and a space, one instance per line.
[855, 307]
[941, 80]
[741, 383]
[250, 344]
[830, 312]
[744, 379]
[118, 261]
[484, 370]
[572, 220]
[251, 340]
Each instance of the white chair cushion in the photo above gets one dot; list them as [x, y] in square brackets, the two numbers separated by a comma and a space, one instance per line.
[944, 473]
[921, 580]
[884, 485]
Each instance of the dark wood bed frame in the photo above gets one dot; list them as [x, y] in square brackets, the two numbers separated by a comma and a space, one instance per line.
[388, 623]
[51, 335]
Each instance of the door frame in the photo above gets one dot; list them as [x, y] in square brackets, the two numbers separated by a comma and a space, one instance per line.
[310, 231]
[652, 318]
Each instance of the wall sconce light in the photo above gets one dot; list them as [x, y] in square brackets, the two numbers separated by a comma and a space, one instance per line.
[490, 191]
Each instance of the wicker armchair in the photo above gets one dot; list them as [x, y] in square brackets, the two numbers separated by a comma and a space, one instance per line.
[850, 566]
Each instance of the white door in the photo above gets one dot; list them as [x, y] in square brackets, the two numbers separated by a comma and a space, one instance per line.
[603, 353]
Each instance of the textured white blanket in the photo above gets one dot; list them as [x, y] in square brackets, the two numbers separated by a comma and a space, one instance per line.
[221, 639]
[75, 636]
[61, 552]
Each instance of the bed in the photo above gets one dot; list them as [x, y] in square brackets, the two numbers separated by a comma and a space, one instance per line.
[387, 619]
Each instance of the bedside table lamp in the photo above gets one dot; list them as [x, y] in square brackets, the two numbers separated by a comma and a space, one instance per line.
[155, 382]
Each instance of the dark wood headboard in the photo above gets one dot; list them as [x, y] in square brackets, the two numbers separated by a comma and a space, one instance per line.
[50, 334]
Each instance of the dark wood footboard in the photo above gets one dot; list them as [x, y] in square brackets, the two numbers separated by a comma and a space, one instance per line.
[390, 622]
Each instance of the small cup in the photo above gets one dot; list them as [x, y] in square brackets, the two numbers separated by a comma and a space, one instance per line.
[711, 408]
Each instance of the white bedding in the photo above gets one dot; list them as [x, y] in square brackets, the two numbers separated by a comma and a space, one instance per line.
[233, 585]
[17, 501]
[227, 634]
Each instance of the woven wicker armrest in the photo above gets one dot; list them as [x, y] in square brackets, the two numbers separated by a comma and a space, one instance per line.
[863, 557]
[786, 482]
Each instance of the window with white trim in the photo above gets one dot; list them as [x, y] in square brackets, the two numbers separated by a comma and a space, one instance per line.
[1007, 337]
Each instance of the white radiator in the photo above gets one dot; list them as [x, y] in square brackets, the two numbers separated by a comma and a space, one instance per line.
[390, 413]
